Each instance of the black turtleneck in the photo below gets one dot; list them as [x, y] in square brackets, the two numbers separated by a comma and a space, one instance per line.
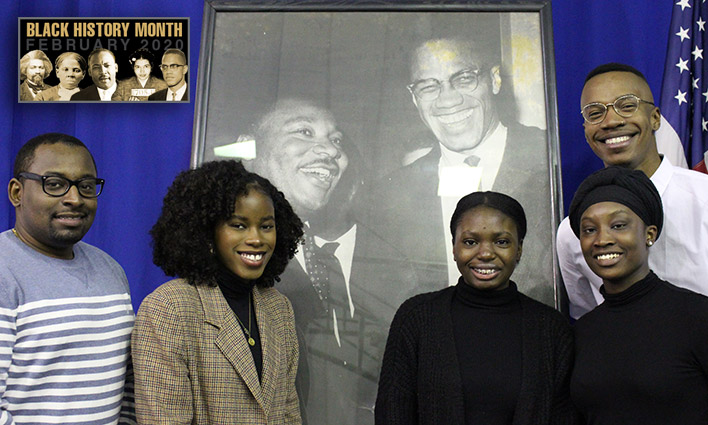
[642, 357]
[237, 292]
[487, 331]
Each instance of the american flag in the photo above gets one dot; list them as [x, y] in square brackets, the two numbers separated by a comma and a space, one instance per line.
[684, 91]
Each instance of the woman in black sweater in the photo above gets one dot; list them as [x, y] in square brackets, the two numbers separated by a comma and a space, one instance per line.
[479, 352]
[642, 355]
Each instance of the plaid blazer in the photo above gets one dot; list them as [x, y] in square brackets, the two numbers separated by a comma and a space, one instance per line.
[193, 364]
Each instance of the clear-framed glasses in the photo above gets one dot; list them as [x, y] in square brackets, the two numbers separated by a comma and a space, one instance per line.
[625, 106]
[172, 66]
[465, 81]
[89, 187]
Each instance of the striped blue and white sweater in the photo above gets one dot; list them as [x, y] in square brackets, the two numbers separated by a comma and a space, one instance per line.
[64, 337]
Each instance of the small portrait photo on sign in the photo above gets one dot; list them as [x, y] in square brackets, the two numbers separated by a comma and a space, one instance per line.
[103, 59]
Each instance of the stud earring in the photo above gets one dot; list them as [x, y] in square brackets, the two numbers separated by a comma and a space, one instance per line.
[650, 242]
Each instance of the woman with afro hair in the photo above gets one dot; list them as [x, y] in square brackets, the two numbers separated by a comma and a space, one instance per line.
[218, 344]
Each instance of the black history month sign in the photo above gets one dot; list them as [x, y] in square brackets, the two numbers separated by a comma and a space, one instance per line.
[136, 44]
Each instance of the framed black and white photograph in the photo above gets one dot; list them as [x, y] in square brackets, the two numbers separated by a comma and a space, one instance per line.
[374, 119]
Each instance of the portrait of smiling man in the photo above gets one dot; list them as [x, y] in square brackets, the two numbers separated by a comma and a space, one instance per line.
[342, 311]
[456, 86]
[62, 301]
[299, 148]
[102, 68]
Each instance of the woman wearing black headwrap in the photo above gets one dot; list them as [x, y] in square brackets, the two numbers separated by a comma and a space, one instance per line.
[479, 352]
[642, 355]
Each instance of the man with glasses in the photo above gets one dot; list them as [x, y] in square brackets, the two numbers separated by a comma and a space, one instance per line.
[102, 68]
[174, 69]
[620, 119]
[456, 87]
[65, 309]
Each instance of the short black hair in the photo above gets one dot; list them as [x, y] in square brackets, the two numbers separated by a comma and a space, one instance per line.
[197, 200]
[25, 156]
[483, 53]
[97, 51]
[177, 52]
[142, 53]
[615, 67]
[499, 201]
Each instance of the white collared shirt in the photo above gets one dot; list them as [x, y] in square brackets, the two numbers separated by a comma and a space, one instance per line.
[178, 94]
[680, 254]
[108, 93]
[345, 255]
[457, 179]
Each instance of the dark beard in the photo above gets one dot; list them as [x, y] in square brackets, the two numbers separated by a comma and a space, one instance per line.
[66, 238]
[37, 79]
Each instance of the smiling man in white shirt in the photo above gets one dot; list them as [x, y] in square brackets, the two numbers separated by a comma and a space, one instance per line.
[456, 85]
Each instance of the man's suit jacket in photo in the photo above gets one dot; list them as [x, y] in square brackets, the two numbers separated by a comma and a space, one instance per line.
[405, 210]
[90, 93]
[337, 382]
[26, 91]
[162, 95]
[193, 364]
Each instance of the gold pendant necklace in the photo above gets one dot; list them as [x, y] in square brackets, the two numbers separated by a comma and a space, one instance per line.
[251, 341]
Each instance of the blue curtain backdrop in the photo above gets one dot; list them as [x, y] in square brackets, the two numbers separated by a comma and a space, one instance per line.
[139, 148]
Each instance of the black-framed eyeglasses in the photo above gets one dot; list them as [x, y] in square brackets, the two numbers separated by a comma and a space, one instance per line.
[171, 66]
[465, 81]
[88, 187]
[625, 106]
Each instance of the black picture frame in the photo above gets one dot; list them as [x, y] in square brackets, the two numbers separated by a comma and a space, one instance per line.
[353, 58]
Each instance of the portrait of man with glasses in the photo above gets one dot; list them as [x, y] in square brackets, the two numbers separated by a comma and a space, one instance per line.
[62, 301]
[456, 85]
[174, 70]
[620, 120]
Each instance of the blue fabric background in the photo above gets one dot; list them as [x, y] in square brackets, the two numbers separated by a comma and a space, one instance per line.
[139, 148]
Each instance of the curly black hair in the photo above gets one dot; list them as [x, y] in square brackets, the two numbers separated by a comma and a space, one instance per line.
[183, 237]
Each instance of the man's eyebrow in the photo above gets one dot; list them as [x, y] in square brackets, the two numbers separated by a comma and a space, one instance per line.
[299, 118]
[58, 174]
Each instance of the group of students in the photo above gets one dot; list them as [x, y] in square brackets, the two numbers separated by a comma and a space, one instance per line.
[219, 344]
[477, 352]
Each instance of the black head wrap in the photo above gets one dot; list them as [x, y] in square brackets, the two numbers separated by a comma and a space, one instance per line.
[499, 201]
[631, 188]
